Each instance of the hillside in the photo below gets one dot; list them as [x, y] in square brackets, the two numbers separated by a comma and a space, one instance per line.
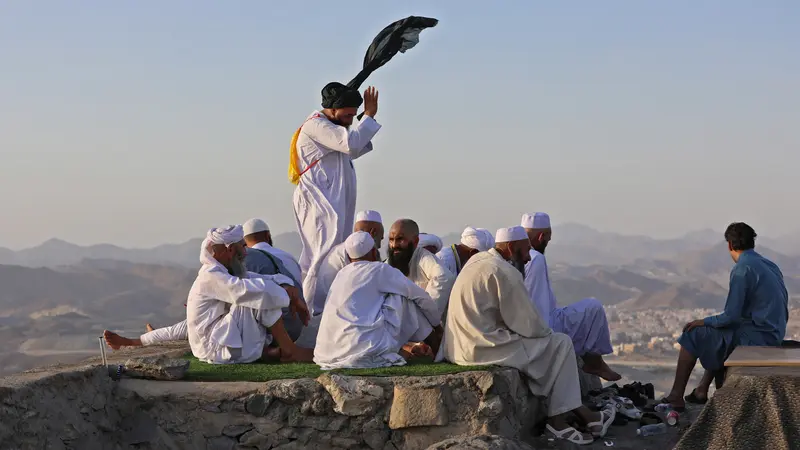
[56, 304]
[48, 315]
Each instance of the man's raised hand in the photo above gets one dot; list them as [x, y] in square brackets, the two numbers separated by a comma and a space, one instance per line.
[371, 102]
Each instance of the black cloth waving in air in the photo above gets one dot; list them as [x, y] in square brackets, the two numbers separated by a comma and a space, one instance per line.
[400, 36]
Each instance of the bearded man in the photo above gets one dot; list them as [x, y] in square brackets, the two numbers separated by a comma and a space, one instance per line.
[418, 264]
[373, 312]
[321, 165]
[232, 315]
[491, 321]
[584, 321]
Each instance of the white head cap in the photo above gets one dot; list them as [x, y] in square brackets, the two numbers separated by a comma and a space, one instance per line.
[254, 226]
[512, 234]
[478, 238]
[369, 215]
[358, 244]
[219, 236]
[227, 236]
[427, 240]
[538, 221]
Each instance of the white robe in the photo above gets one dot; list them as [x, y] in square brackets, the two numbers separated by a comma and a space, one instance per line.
[317, 284]
[227, 316]
[371, 312]
[491, 321]
[449, 259]
[287, 259]
[585, 321]
[325, 197]
[428, 273]
[177, 332]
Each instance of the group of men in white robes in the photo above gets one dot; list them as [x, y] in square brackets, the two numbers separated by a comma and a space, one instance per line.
[491, 320]
[484, 301]
[262, 260]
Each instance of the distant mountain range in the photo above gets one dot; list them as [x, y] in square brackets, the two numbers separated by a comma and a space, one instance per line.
[572, 244]
[55, 253]
[57, 298]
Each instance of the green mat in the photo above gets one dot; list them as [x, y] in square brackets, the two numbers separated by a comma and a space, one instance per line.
[260, 371]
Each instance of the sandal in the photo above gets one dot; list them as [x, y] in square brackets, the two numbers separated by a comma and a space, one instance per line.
[606, 419]
[694, 398]
[570, 434]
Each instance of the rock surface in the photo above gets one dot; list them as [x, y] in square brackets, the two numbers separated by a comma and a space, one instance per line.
[486, 442]
[156, 368]
[81, 407]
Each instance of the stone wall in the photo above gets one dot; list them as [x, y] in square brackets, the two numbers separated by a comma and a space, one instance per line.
[82, 408]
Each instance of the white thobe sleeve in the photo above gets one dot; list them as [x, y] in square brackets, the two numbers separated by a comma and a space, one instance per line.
[392, 281]
[355, 142]
[260, 292]
[538, 286]
[440, 280]
[277, 278]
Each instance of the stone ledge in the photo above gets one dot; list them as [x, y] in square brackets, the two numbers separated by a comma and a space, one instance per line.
[79, 406]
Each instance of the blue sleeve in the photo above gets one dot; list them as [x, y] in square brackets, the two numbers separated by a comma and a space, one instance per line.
[735, 302]
[255, 263]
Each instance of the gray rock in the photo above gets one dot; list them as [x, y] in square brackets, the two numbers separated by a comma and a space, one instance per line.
[352, 396]
[491, 406]
[255, 439]
[235, 431]
[257, 404]
[156, 368]
[266, 426]
[221, 443]
[344, 442]
[376, 439]
[414, 406]
[486, 442]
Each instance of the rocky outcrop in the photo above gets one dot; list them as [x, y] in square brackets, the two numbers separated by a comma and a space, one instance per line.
[83, 408]
[156, 368]
[491, 442]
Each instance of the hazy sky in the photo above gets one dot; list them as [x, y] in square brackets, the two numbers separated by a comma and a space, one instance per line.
[139, 123]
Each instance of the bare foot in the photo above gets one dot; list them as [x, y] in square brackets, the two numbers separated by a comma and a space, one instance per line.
[594, 364]
[416, 349]
[271, 354]
[297, 354]
[148, 327]
[603, 372]
[116, 341]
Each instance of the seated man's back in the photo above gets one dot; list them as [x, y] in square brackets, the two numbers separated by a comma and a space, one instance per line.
[764, 309]
[372, 310]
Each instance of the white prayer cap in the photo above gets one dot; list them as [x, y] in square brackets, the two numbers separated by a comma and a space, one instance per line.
[227, 236]
[358, 244]
[512, 234]
[536, 221]
[478, 238]
[254, 226]
[428, 240]
[369, 215]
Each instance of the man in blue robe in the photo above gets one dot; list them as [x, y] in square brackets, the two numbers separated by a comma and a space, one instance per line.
[755, 314]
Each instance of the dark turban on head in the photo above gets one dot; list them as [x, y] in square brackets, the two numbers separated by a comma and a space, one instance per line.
[336, 95]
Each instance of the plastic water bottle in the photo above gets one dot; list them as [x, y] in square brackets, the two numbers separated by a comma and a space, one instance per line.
[663, 408]
[672, 418]
[651, 430]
